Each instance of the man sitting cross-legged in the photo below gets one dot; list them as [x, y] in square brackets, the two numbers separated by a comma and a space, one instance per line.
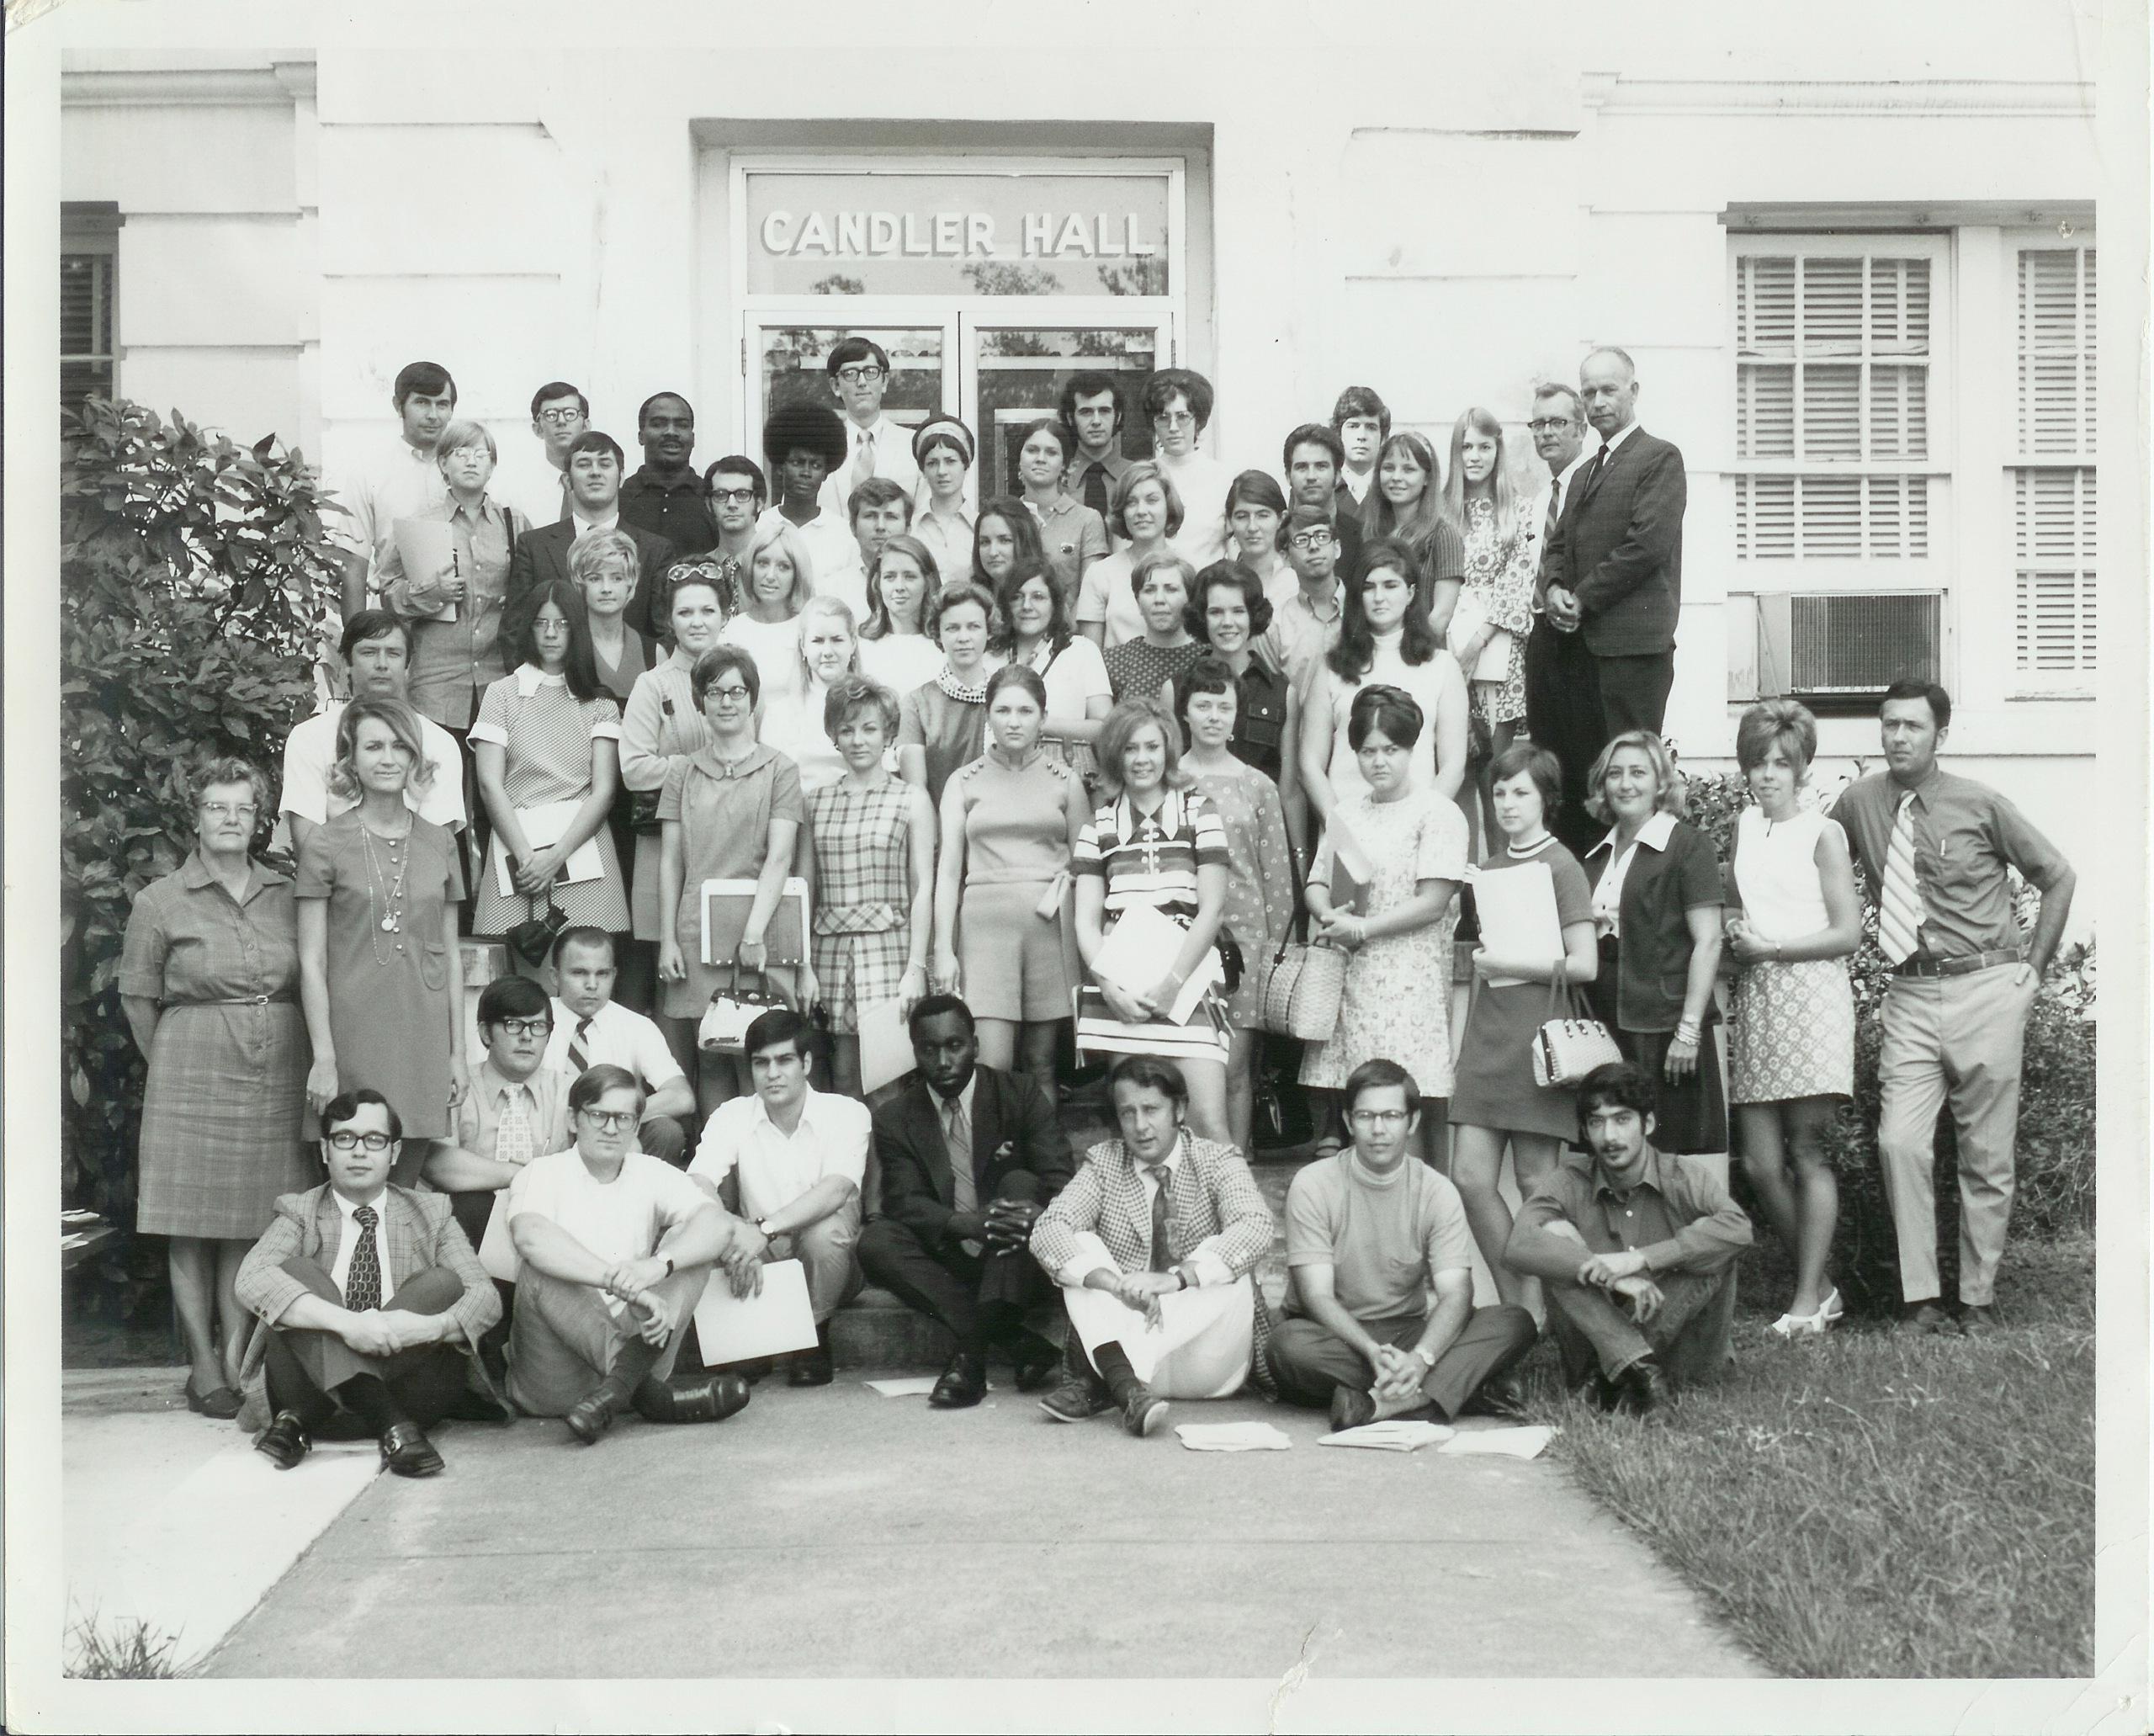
[614, 1250]
[1153, 1214]
[969, 1154]
[1369, 1230]
[1628, 1225]
[372, 1300]
[789, 1161]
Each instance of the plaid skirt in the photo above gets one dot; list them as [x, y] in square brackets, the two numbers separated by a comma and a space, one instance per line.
[858, 969]
[223, 1115]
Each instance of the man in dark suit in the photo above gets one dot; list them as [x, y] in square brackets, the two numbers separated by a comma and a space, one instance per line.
[969, 1154]
[1615, 565]
[373, 1302]
[542, 554]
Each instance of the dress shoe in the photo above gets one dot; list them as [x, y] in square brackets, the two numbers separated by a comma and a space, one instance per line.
[474, 1406]
[593, 1416]
[1142, 1411]
[1927, 1317]
[285, 1441]
[964, 1384]
[1978, 1320]
[1642, 1388]
[1502, 1397]
[811, 1367]
[1034, 1359]
[693, 1399]
[221, 1403]
[1351, 1407]
[406, 1450]
[1077, 1397]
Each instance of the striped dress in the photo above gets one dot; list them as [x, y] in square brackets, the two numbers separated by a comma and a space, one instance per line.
[1153, 859]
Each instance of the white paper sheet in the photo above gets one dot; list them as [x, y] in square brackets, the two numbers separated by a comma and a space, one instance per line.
[1506, 1443]
[913, 1386]
[735, 1329]
[545, 825]
[1468, 618]
[1233, 1437]
[1142, 950]
[885, 1045]
[1399, 1435]
[1517, 909]
[427, 549]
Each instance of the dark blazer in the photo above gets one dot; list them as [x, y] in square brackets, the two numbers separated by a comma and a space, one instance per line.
[1618, 545]
[541, 554]
[1653, 968]
[1014, 1128]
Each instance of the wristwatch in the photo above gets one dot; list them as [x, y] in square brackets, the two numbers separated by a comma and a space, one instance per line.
[763, 1229]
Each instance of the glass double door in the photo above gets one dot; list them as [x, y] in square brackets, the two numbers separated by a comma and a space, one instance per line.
[999, 369]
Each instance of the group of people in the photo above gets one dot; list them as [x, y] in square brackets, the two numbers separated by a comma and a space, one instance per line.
[1058, 773]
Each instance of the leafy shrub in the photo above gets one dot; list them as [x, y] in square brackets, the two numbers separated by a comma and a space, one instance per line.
[195, 579]
[2055, 1139]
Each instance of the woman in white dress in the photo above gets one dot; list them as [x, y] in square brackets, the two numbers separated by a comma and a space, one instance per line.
[1148, 512]
[1036, 633]
[895, 646]
[781, 579]
[1791, 1060]
[826, 655]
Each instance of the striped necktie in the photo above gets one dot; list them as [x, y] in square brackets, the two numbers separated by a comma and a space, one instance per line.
[1900, 910]
[363, 1279]
[957, 1140]
[580, 1057]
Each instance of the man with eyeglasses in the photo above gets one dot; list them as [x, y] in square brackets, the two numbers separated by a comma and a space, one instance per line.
[1371, 1231]
[516, 1110]
[614, 1250]
[738, 492]
[1314, 456]
[1305, 625]
[542, 552]
[539, 486]
[372, 1301]
[665, 496]
[1562, 695]
[875, 444]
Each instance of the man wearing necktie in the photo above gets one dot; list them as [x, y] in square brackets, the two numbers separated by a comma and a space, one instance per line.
[373, 1302]
[1562, 697]
[1935, 850]
[1154, 1244]
[875, 444]
[1090, 409]
[967, 1155]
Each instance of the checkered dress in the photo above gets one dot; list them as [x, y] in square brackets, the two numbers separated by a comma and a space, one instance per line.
[864, 902]
[1213, 1200]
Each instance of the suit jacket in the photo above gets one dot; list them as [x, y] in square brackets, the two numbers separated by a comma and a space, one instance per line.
[1014, 1128]
[1618, 545]
[543, 555]
[417, 1232]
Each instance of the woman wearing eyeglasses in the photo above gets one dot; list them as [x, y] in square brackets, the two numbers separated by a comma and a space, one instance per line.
[208, 980]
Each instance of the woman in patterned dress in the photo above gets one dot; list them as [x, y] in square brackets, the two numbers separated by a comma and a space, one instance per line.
[662, 727]
[895, 646]
[208, 980]
[1156, 842]
[1406, 848]
[1792, 1060]
[1010, 821]
[1503, 552]
[1145, 667]
[381, 976]
[942, 724]
[867, 854]
[1233, 614]
[1259, 860]
[548, 745]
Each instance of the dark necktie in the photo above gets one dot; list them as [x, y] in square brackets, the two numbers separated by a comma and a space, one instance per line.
[579, 1057]
[1096, 487]
[362, 1282]
[1162, 1254]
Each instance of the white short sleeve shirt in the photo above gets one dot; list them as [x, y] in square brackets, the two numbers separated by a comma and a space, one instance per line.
[831, 1140]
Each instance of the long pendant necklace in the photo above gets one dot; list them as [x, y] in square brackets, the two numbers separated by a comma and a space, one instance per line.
[390, 918]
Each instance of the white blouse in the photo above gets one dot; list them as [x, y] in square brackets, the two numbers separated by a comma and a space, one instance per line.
[1776, 872]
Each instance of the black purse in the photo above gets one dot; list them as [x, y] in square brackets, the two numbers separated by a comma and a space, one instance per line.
[643, 810]
[532, 940]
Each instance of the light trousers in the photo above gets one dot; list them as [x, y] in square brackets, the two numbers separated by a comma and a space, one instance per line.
[1202, 1348]
[563, 1338]
[826, 1250]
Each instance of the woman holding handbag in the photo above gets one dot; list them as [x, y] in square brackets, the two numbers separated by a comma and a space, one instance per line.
[1402, 850]
[731, 810]
[1496, 1100]
[1259, 861]
[1656, 902]
[547, 747]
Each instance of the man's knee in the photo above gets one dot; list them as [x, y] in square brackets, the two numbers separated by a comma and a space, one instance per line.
[315, 1276]
[434, 1291]
[886, 1245]
[662, 1137]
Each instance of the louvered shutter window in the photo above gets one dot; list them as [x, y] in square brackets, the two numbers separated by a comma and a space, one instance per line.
[2051, 487]
[86, 351]
[1832, 402]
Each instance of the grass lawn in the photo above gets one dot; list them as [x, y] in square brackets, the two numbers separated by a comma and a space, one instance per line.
[1877, 1505]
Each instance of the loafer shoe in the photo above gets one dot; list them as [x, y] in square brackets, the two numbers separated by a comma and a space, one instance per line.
[285, 1441]
[1642, 1388]
[407, 1452]
[695, 1398]
[1927, 1317]
[810, 1368]
[591, 1417]
[1978, 1320]
[964, 1384]
[1076, 1399]
[1351, 1407]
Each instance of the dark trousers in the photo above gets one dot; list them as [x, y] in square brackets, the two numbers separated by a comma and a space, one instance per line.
[1563, 713]
[304, 1367]
[1688, 1336]
[1633, 693]
[981, 1298]
[1310, 1360]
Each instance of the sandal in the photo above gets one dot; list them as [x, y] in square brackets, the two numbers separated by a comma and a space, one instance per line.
[1831, 1308]
[1794, 1326]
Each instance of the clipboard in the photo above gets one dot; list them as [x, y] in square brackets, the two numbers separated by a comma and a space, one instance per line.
[732, 1329]
[725, 907]
[544, 825]
[427, 549]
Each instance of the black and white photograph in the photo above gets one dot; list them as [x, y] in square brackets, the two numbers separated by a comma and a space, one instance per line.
[1109, 867]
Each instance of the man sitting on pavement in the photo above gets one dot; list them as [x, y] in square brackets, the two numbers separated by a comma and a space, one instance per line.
[591, 1027]
[372, 1300]
[969, 1154]
[1369, 1231]
[1148, 1216]
[1630, 1224]
[789, 1161]
[614, 1250]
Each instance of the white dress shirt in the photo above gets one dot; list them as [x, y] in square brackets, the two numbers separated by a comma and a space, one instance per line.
[311, 750]
[400, 481]
[348, 1244]
[776, 1168]
[892, 443]
[619, 1037]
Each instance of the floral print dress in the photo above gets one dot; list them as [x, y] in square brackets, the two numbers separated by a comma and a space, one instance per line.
[1500, 572]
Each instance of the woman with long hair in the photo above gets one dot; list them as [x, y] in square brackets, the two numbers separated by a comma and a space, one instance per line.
[1006, 534]
[1385, 639]
[828, 651]
[1406, 505]
[1036, 633]
[1072, 535]
[895, 646]
[781, 578]
[1148, 512]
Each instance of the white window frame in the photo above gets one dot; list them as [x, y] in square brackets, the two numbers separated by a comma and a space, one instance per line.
[1867, 572]
[2027, 683]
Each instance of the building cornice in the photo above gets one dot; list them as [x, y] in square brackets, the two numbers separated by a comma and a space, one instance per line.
[272, 87]
[1614, 94]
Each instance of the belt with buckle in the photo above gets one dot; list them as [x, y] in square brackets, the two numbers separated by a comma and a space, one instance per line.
[1963, 964]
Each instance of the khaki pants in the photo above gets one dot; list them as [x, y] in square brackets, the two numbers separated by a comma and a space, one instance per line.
[563, 1338]
[1955, 1039]
[825, 1250]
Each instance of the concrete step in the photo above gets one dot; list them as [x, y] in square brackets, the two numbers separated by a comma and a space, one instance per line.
[876, 1330]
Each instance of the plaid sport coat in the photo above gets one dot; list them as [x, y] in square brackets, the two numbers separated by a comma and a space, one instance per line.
[1213, 1205]
[417, 1231]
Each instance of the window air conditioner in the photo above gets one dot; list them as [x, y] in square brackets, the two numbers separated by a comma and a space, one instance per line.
[1843, 647]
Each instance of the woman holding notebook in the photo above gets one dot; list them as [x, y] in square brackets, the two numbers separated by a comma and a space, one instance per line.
[1536, 911]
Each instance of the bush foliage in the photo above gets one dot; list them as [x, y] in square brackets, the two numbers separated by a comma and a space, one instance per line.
[195, 575]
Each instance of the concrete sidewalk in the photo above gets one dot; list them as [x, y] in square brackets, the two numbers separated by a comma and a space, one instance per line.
[837, 1533]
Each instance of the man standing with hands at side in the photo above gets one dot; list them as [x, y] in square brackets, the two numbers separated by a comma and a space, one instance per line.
[542, 554]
